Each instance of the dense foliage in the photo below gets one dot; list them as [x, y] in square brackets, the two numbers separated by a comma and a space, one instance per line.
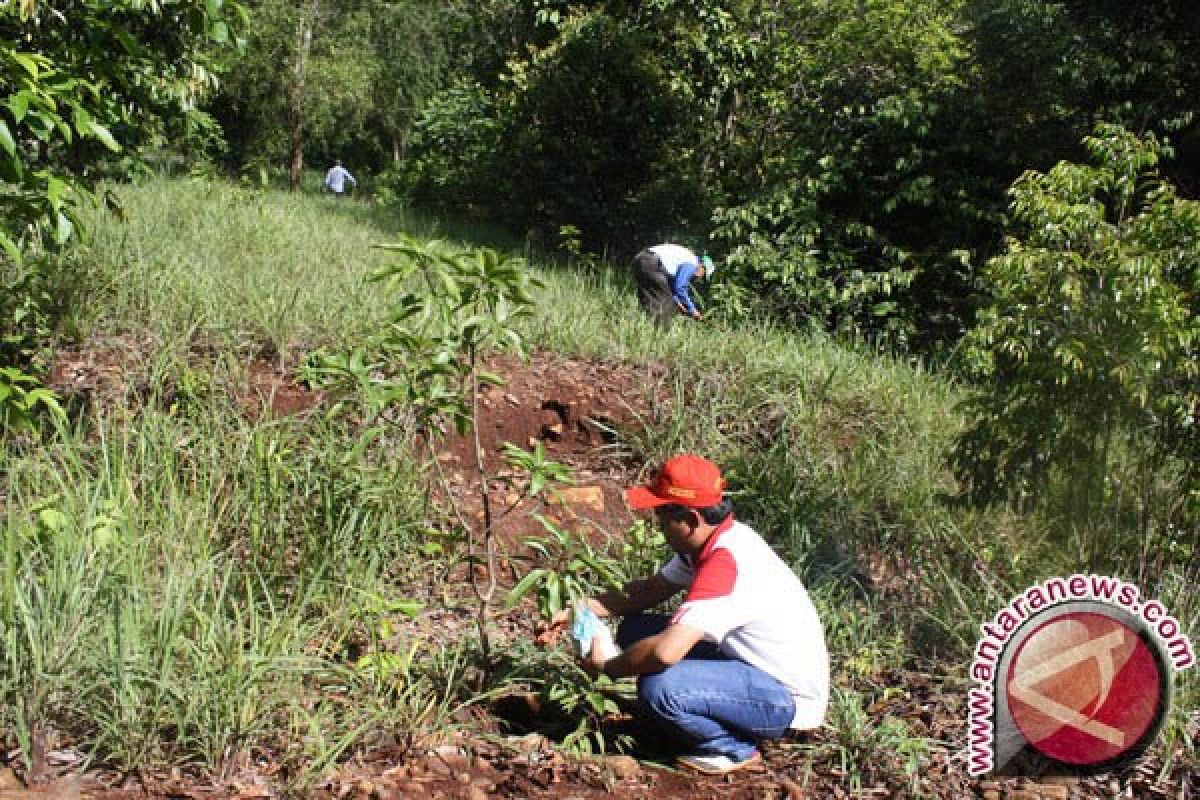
[326, 79]
[848, 160]
[82, 81]
[79, 79]
[1089, 346]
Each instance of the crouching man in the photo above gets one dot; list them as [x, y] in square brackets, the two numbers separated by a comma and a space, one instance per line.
[743, 658]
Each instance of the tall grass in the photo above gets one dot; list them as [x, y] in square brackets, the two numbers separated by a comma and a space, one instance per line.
[247, 266]
[187, 588]
[185, 581]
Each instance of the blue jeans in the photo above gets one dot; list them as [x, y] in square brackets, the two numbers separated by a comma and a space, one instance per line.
[715, 704]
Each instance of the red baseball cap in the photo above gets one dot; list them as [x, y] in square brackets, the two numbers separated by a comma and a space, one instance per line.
[685, 480]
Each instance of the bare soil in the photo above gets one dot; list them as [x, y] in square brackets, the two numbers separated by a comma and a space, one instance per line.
[571, 407]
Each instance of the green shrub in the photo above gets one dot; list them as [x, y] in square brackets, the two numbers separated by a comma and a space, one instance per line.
[1087, 354]
[21, 398]
[452, 162]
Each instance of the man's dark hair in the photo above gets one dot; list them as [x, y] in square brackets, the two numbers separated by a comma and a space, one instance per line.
[713, 515]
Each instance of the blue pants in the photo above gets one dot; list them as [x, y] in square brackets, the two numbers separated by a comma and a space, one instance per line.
[715, 704]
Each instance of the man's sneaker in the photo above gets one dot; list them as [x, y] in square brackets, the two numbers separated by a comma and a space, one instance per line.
[718, 765]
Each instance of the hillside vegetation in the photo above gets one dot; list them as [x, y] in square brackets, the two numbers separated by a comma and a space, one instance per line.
[291, 483]
[191, 580]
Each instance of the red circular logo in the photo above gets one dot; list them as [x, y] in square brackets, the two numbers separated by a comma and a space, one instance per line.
[1084, 688]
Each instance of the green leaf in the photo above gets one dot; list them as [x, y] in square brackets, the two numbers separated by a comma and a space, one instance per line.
[52, 519]
[597, 701]
[409, 608]
[6, 139]
[10, 248]
[553, 595]
[56, 190]
[104, 135]
[18, 104]
[63, 228]
[28, 63]
[524, 586]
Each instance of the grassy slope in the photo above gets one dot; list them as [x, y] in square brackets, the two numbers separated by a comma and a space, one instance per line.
[184, 534]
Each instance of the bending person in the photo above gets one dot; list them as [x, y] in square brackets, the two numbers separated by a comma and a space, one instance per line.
[743, 658]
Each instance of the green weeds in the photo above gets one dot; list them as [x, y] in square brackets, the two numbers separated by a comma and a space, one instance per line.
[870, 751]
[173, 593]
[188, 581]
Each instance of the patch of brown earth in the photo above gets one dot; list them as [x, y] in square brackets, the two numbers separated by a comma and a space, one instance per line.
[111, 372]
[96, 373]
[272, 391]
[573, 409]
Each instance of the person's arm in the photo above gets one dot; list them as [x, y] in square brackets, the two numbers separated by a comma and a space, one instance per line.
[350, 178]
[651, 654]
[634, 597]
[680, 289]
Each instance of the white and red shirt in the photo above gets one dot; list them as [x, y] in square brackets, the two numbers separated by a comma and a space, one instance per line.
[745, 599]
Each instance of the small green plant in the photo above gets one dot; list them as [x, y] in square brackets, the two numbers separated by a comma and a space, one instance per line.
[868, 751]
[192, 389]
[540, 470]
[582, 703]
[570, 240]
[590, 701]
[571, 569]
[454, 307]
[376, 614]
[22, 398]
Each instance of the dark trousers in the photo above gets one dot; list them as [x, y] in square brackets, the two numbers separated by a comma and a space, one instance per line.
[653, 288]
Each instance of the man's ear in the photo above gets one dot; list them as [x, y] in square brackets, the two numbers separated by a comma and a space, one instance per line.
[694, 519]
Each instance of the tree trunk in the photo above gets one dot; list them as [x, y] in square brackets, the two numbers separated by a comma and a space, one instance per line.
[304, 34]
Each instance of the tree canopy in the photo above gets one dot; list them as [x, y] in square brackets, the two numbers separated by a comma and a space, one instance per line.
[86, 87]
[848, 161]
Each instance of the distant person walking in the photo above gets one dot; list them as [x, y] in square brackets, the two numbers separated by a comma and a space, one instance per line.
[336, 177]
[662, 274]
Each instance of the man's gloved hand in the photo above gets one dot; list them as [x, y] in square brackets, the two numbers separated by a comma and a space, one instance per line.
[562, 621]
[593, 640]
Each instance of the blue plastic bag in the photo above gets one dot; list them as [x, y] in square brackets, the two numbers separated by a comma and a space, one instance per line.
[588, 629]
[585, 627]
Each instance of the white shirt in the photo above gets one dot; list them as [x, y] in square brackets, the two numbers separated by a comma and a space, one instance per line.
[335, 179]
[674, 256]
[750, 603]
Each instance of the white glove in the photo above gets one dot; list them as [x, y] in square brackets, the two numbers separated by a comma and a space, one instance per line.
[589, 631]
